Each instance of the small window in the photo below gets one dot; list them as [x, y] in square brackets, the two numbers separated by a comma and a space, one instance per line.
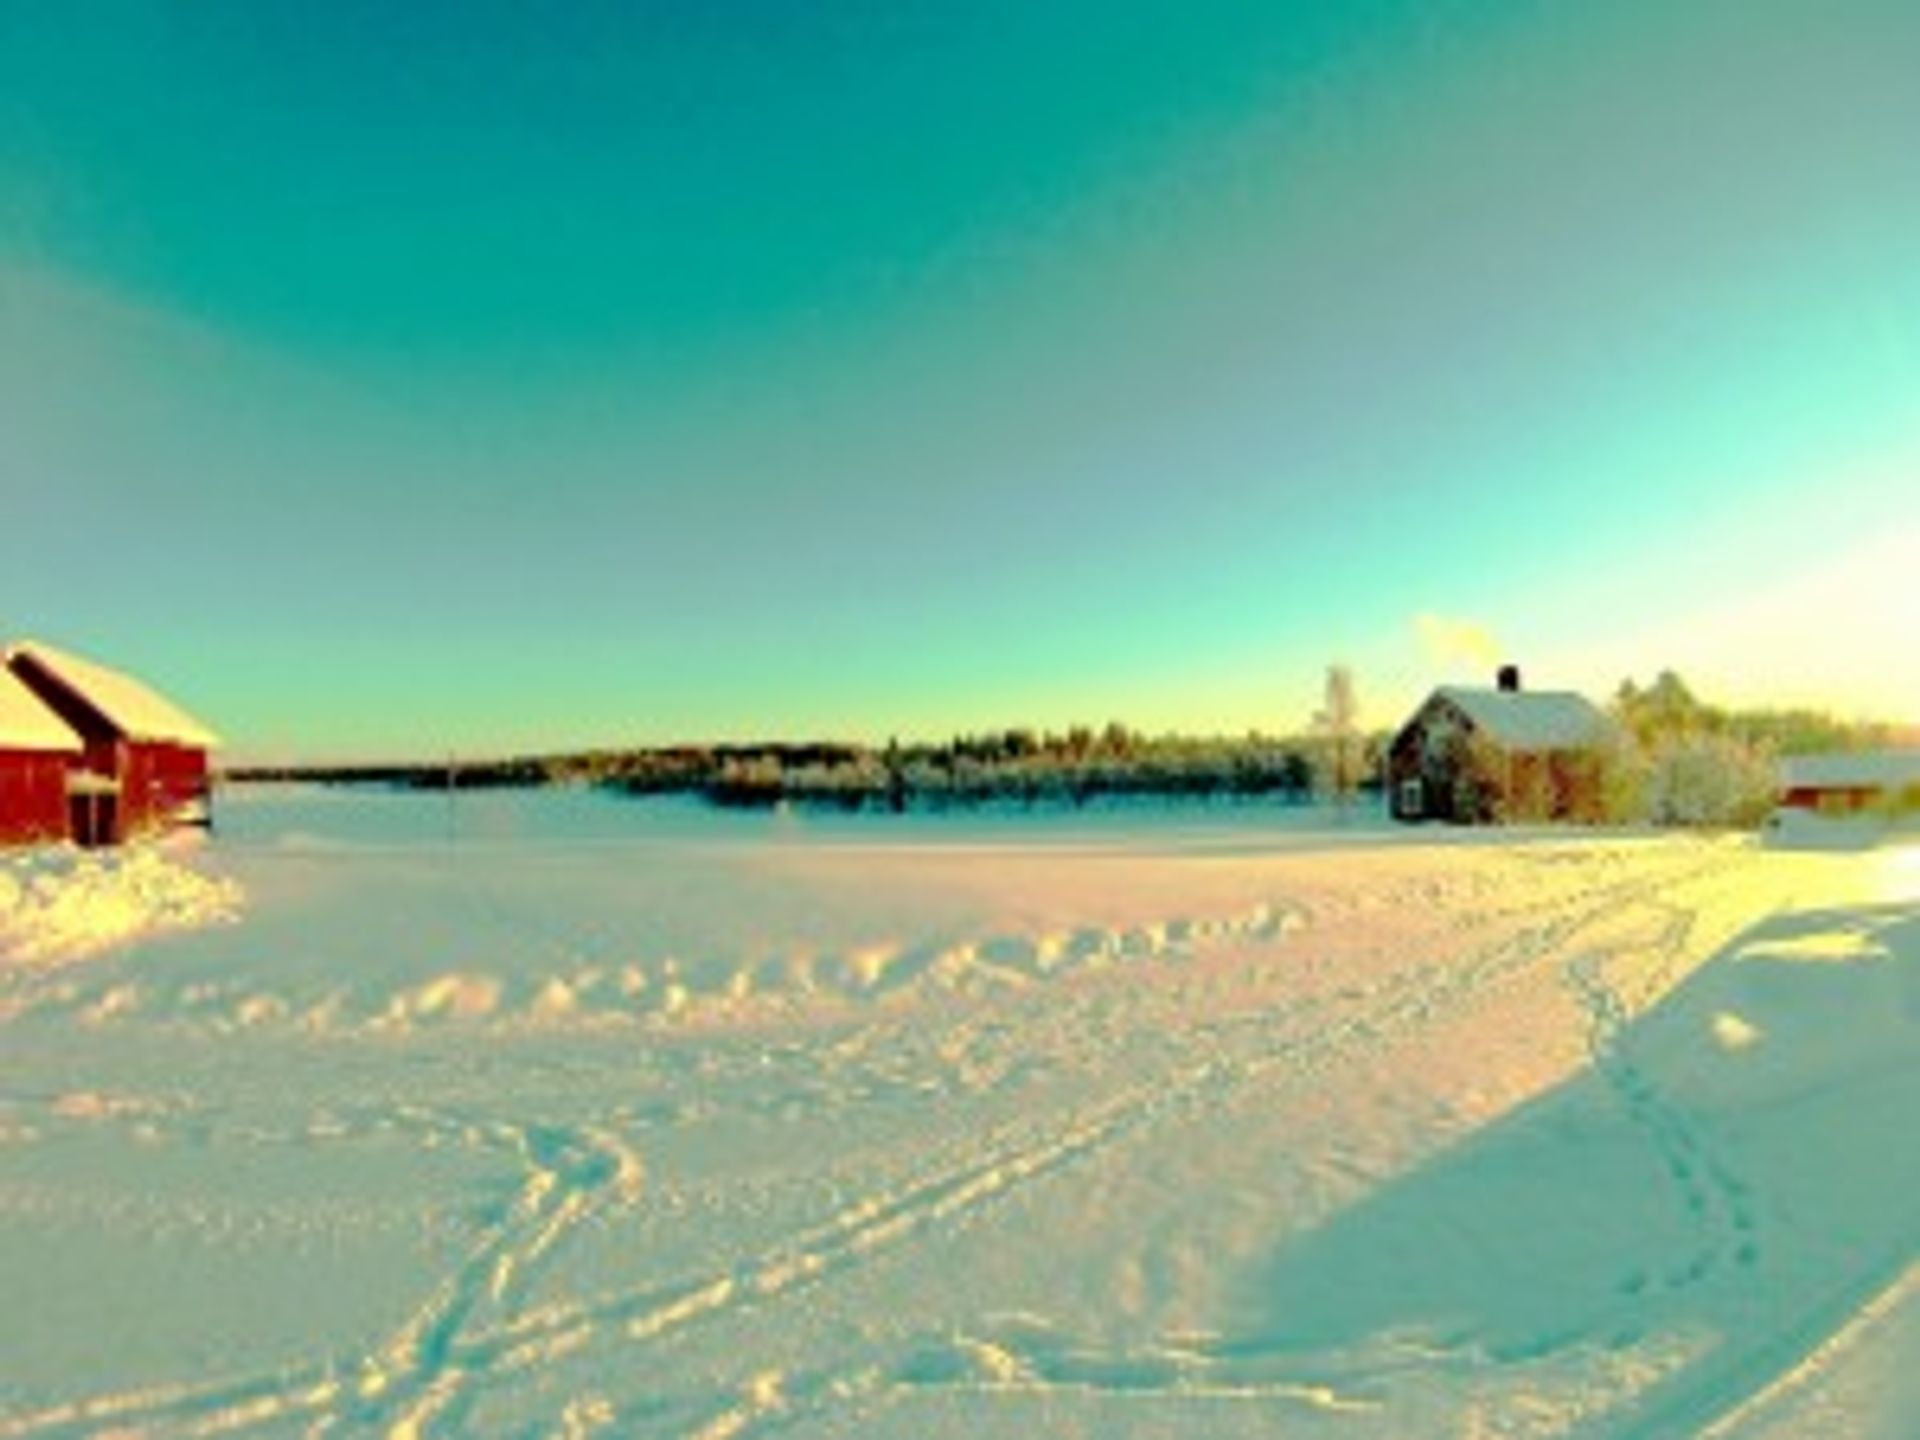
[1412, 796]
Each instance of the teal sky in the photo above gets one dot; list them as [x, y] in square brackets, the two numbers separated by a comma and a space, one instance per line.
[382, 382]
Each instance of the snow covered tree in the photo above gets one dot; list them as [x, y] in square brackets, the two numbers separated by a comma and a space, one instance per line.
[1701, 779]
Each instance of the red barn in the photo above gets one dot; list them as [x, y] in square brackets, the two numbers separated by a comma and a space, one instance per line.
[37, 749]
[143, 760]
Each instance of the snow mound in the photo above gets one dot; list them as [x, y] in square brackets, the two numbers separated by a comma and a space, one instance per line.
[1731, 1032]
[63, 906]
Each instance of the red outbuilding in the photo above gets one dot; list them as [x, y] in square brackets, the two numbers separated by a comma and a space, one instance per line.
[1858, 783]
[37, 750]
[142, 761]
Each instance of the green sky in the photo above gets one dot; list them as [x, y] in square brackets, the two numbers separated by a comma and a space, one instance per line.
[383, 381]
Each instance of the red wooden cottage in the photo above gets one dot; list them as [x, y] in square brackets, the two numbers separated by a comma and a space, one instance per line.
[142, 761]
[1472, 755]
[37, 750]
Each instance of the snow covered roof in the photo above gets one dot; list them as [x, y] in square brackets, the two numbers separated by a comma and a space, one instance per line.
[1530, 720]
[27, 724]
[138, 711]
[1866, 770]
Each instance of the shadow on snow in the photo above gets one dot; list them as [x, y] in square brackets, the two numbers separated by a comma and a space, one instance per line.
[1737, 1168]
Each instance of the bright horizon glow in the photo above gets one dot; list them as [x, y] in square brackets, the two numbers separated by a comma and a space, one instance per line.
[382, 388]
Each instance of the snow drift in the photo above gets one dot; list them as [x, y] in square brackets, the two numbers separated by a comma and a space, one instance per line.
[58, 906]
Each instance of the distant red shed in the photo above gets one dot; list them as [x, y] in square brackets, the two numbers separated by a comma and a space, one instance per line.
[143, 760]
[37, 749]
[1887, 781]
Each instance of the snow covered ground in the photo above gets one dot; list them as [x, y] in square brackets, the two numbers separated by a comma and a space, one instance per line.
[559, 1115]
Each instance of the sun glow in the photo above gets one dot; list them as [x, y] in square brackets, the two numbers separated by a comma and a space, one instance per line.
[1833, 633]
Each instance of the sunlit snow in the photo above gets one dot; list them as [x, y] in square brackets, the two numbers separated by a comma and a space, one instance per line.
[564, 1115]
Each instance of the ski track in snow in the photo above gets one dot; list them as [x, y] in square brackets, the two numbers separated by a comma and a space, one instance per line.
[481, 1327]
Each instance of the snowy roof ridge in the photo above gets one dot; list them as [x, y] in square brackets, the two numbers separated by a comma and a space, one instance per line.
[1531, 719]
[138, 710]
[1862, 769]
[27, 724]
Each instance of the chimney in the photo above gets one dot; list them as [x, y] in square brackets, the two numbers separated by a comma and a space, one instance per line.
[1510, 679]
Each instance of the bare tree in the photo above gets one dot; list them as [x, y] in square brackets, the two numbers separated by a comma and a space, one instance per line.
[1339, 722]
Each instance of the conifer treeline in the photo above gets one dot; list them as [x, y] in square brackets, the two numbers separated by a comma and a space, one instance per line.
[1019, 764]
[1674, 759]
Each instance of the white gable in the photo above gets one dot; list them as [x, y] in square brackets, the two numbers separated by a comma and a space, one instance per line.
[27, 724]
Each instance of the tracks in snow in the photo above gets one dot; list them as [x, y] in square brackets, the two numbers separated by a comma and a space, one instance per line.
[1718, 1201]
[475, 1328]
[567, 1174]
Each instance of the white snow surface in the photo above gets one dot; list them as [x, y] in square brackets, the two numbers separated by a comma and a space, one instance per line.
[559, 1116]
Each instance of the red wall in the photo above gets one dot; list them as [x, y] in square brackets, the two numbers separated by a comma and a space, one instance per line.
[156, 780]
[33, 797]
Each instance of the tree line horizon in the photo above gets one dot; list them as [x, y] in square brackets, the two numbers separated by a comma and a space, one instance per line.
[1673, 758]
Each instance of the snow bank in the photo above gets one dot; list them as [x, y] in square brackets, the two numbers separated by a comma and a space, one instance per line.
[61, 906]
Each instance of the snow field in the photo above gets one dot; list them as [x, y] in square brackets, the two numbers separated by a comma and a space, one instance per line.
[1562, 1137]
